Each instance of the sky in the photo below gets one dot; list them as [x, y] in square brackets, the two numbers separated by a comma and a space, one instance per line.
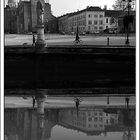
[60, 7]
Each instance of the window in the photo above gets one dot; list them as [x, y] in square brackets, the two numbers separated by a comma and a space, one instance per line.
[107, 121]
[106, 20]
[89, 119]
[100, 22]
[106, 27]
[95, 28]
[89, 15]
[95, 119]
[95, 113]
[101, 119]
[100, 27]
[95, 22]
[101, 16]
[89, 22]
[88, 27]
[95, 16]
[84, 22]
[101, 113]
[95, 125]
[89, 125]
[101, 125]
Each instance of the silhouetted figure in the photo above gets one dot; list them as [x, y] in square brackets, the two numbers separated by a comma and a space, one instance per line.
[107, 99]
[77, 38]
[127, 102]
[33, 40]
[33, 97]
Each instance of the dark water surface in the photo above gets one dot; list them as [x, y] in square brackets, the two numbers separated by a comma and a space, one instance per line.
[86, 123]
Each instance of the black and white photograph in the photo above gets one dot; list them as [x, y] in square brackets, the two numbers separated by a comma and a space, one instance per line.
[70, 70]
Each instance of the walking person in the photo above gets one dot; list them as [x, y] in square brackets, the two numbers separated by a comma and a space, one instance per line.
[33, 97]
[33, 40]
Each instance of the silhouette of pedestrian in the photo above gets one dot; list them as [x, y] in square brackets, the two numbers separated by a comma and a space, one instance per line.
[127, 102]
[33, 101]
[33, 40]
[77, 103]
[77, 36]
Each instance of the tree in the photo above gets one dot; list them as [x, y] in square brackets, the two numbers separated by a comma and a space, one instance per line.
[122, 4]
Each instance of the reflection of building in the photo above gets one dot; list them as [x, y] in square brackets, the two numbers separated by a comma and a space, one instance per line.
[22, 124]
[90, 121]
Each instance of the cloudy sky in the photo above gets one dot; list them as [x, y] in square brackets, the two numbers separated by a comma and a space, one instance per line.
[60, 7]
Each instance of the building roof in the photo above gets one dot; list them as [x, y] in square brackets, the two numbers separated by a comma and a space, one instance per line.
[91, 8]
[113, 13]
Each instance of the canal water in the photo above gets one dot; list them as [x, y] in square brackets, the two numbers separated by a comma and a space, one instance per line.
[63, 120]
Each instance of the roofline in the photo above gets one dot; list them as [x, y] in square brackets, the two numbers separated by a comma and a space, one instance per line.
[78, 12]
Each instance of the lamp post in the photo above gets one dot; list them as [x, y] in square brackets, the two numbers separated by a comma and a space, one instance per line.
[128, 14]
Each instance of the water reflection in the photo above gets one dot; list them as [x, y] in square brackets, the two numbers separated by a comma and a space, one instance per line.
[98, 123]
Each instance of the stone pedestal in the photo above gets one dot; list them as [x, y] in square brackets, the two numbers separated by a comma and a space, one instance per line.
[40, 130]
[40, 105]
[40, 43]
[40, 121]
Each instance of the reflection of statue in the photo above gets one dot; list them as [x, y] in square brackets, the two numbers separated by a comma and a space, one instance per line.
[40, 12]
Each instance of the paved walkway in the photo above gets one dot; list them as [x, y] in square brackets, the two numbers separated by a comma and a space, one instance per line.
[14, 39]
[53, 102]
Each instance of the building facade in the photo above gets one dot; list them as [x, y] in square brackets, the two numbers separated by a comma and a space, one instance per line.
[89, 20]
[111, 19]
[28, 16]
[63, 24]
[10, 19]
[23, 15]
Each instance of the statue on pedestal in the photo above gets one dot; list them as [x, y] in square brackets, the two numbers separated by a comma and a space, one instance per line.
[40, 13]
[40, 43]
